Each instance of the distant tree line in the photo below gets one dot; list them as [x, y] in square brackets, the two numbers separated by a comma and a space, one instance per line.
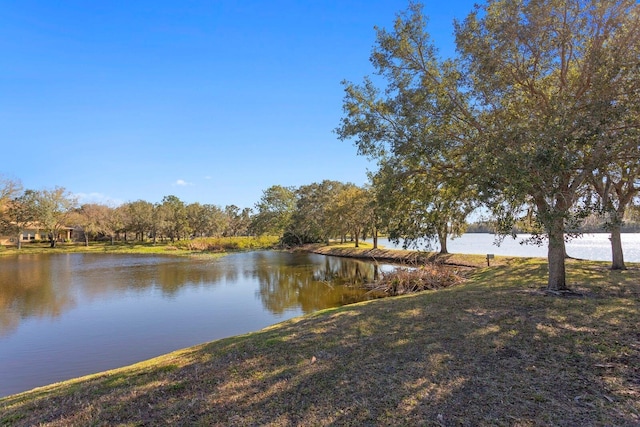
[313, 213]
[171, 219]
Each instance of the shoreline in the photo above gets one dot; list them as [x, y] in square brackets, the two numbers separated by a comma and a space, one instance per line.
[406, 257]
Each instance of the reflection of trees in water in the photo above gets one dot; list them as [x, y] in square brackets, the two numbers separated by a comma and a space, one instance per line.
[168, 274]
[346, 271]
[38, 286]
[32, 286]
[172, 279]
[311, 282]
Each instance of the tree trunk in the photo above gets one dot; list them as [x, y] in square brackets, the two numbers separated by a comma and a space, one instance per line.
[375, 239]
[617, 256]
[52, 240]
[357, 240]
[86, 239]
[556, 256]
[20, 240]
[442, 239]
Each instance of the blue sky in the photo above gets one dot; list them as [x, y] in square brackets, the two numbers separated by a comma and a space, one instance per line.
[211, 101]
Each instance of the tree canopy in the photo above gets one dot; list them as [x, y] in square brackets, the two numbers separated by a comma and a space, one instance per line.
[543, 94]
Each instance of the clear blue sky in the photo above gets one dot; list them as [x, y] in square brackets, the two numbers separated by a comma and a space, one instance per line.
[212, 101]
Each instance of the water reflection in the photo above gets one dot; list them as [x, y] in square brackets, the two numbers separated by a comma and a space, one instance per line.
[29, 289]
[169, 275]
[309, 282]
[46, 286]
[66, 315]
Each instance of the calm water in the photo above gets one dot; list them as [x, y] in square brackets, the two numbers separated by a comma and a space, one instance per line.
[67, 315]
[590, 246]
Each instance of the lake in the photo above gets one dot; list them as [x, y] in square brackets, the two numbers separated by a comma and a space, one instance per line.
[595, 246]
[67, 315]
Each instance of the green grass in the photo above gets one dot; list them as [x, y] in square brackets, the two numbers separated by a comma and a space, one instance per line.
[361, 245]
[178, 247]
[495, 350]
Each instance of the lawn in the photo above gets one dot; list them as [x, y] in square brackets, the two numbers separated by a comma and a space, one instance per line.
[494, 350]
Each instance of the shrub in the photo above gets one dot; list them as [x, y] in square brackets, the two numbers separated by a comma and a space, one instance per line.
[289, 239]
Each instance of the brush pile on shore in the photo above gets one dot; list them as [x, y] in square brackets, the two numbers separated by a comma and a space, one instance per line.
[405, 280]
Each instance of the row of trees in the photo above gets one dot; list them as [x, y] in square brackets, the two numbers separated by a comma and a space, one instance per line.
[536, 119]
[391, 204]
[311, 213]
[52, 211]
[170, 219]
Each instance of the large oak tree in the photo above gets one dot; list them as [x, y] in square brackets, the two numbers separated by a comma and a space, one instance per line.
[544, 94]
[53, 208]
[418, 128]
[274, 210]
[558, 88]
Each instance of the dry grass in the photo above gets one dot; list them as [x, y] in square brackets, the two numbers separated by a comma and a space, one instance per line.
[494, 350]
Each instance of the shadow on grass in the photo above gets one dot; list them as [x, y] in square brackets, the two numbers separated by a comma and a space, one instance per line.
[493, 352]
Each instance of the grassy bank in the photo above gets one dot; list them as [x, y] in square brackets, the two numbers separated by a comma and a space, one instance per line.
[178, 247]
[492, 351]
[400, 256]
